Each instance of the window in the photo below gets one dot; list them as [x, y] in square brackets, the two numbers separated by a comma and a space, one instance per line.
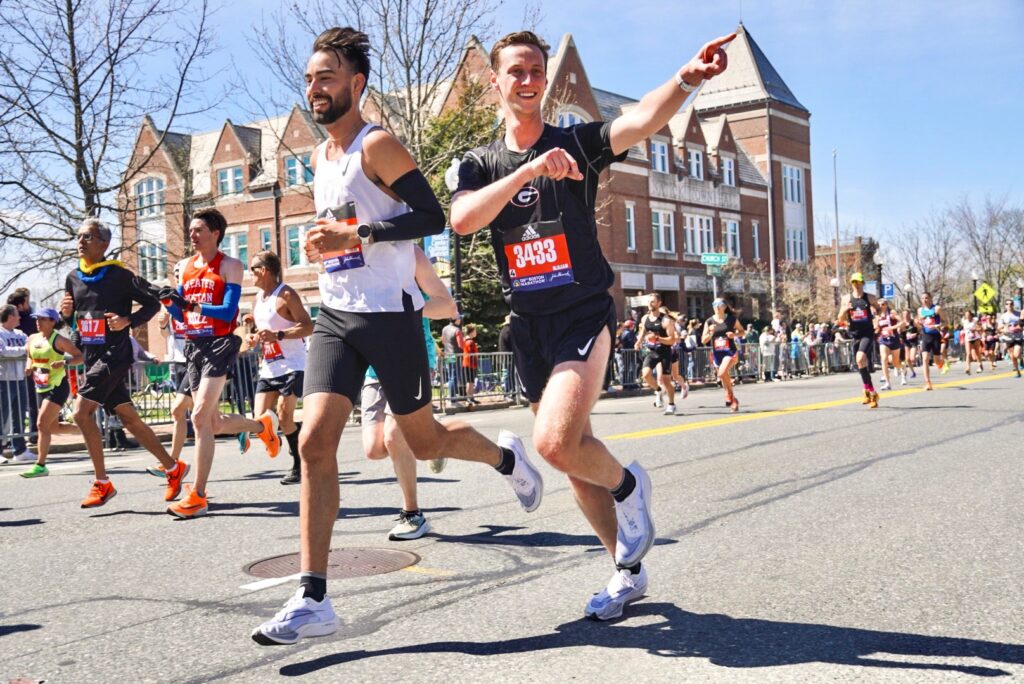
[796, 244]
[266, 242]
[566, 119]
[149, 197]
[696, 159]
[153, 261]
[695, 309]
[229, 181]
[630, 227]
[298, 171]
[793, 184]
[728, 172]
[755, 229]
[699, 236]
[732, 238]
[296, 237]
[663, 226]
[237, 245]
[659, 156]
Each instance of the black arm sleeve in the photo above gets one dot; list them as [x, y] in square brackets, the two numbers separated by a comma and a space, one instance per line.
[424, 218]
[142, 292]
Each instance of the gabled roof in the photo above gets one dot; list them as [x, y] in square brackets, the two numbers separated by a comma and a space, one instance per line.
[610, 103]
[262, 138]
[250, 139]
[750, 78]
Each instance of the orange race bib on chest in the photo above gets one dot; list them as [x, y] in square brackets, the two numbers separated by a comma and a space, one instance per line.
[93, 330]
[538, 256]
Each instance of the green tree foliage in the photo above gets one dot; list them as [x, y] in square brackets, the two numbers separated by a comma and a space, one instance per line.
[449, 136]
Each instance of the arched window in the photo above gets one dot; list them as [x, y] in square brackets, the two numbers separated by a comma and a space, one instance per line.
[149, 197]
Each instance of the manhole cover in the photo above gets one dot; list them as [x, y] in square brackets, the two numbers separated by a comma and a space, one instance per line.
[341, 563]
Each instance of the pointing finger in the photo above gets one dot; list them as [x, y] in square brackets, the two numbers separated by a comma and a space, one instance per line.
[708, 53]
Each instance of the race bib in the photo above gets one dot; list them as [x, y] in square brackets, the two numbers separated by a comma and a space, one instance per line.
[272, 352]
[721, 343]
[344, 260]
[178, 328]
[198, 325]
[538, 256]
[41, 378]
[886, 331]
[858, 314]
[928, 322]
[93, 330]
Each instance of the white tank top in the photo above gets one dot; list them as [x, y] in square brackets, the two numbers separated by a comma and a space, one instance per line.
[390, 267]
[176, 342]
[284, 356]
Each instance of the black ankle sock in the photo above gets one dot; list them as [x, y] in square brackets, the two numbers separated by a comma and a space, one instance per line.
[411, 513]
[507, 462]
[625, 488]
[293, 444]
[633, 569]
[314, 585]
[865, 375]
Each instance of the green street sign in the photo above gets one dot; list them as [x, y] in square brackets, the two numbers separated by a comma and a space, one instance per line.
[714, 270]
[714, 259]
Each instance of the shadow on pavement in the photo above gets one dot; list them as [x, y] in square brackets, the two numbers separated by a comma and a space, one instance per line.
[375, 511]
[21, 523]
[495, 534]
[14, 629]
[392, 480]
[723, 641]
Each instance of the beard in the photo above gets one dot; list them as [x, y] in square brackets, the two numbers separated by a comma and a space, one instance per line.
[337, 109]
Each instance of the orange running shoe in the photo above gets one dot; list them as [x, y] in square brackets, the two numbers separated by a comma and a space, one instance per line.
[874, 400]
[268, 435]
[99, 494]
[867, 397]
[175, 480]
[192, 506]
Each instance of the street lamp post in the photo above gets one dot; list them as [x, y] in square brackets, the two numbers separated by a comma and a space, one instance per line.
[879, 263]
[906, 296]
[974, 289]
[451, 181]
[835, 290]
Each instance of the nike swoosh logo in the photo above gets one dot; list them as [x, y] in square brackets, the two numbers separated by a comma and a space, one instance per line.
[419, 392]
[583, 350]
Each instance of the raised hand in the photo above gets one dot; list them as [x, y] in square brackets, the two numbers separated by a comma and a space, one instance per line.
[709, 62]
[556, 164]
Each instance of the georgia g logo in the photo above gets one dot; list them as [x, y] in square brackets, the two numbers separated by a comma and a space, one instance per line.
[526, 197]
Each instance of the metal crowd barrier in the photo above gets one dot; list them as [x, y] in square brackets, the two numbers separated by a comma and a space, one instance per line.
[487, 377]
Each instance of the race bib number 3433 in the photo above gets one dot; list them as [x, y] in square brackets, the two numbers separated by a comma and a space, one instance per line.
[538, 256]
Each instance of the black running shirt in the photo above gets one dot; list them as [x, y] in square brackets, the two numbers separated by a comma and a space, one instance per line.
[544, 200]
[111, 289]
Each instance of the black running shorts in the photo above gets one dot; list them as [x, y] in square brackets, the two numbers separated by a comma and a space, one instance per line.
[210, 357]
[107, 385]
[179, 376]
[58, 395]
[931, 343]
[541, 342]
[864, 344]
[344, 344]
[660, 355]
[287, 385]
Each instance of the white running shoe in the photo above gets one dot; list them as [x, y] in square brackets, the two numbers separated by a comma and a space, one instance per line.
[526, 480]
[670, 410]
[300, 617]
[624, 587]
[635, 534]
[885, 386]
[657, 399]
[903, 379]
[410, 526]
[24, 457]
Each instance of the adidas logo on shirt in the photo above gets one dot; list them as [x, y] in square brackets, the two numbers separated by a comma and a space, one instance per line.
[530, 234]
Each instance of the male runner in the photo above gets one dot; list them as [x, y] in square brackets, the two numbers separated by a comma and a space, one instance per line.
[657, 335]
[371, 316]
[98, 298]
[859, 310]
[206, 300]
[536, 189]
[929, 319]
[1010, 333]
[282, 326]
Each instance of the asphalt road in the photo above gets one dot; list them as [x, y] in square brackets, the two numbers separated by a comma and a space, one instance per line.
[806, 538]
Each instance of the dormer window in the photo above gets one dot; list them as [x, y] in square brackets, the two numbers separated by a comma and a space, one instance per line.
[566, 119]
[229, 181]
[695, 159]
[659, 156]
[728, 172]
[297, 170]
[149, 197]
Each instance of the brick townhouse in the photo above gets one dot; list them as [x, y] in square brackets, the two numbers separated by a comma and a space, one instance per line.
[700, 184]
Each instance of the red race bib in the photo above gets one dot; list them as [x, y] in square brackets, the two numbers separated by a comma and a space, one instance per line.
[721, 343]
[538, 256]
[198, 325]
[93, 330]
[858, 314]
[272, 352]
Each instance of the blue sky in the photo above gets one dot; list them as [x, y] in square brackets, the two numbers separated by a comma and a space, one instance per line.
[922, 100]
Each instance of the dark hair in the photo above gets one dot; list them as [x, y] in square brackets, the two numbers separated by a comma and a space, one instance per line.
[519, 38]
[7, 311]
[214, 220]
[349, 43]
[656, 294]
[270, 261]
[18, 297]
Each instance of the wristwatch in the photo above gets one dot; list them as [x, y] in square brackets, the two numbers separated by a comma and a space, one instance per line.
[280, 335]
[365, 233]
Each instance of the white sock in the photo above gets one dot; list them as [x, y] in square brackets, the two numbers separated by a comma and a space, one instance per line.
[103, 481]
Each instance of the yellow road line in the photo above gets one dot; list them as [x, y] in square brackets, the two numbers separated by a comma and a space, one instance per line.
[746, 417]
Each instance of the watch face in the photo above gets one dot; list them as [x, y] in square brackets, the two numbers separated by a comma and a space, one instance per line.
[363, 230]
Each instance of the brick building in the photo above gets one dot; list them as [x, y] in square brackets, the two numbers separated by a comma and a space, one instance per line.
[701, 184]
